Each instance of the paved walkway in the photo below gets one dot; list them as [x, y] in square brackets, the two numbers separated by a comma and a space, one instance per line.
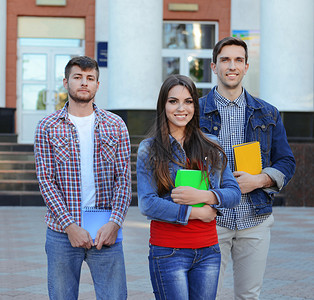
[289, 274]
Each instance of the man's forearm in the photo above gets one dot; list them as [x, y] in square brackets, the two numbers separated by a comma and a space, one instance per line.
[266, 181]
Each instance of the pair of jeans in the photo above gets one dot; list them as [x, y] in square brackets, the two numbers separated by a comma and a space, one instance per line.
[184, 274]
[64, 269]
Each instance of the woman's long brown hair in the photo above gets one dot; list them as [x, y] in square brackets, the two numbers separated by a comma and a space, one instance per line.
[201, 152]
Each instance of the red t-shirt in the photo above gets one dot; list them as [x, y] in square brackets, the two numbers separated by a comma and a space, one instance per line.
[196, 234]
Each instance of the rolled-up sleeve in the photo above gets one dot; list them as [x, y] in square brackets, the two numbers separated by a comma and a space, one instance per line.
[229, 193]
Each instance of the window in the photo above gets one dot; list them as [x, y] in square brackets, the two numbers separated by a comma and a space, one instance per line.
[187, 50]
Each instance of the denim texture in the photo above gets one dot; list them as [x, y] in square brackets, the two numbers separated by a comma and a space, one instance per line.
[163, 208]
[64, 268]
[262, 123]
[184, 274]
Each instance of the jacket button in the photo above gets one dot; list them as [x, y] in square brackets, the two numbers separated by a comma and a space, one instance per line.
[263, 126]
[215, 128]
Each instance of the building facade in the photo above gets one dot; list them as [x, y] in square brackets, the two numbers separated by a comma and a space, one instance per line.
[139, 43]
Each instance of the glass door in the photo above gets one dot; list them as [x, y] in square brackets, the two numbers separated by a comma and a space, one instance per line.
[40, 85]
[187, 50]
[195, 64]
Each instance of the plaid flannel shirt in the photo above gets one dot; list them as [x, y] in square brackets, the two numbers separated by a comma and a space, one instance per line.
[57, 158]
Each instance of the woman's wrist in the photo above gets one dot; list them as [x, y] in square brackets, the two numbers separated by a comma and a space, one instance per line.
[210, 198]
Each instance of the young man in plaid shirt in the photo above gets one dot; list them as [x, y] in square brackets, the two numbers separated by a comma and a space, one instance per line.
[82, 158]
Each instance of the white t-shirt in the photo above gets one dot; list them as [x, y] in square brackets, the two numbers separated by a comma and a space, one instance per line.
[85, 128]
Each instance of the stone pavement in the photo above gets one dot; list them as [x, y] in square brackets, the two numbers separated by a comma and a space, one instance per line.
[289, 274]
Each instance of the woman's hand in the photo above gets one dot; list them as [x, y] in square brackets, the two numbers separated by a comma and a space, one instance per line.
[189, 196]
[205, 213]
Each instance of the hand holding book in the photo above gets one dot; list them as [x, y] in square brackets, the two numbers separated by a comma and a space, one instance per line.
[191, 178]
[247, 158]
[94, 218]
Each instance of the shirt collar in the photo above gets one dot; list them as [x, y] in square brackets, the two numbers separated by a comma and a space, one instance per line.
[65, 115]
[240, 101]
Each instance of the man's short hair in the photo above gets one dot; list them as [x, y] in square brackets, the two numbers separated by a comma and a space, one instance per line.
[84, 62]
[227, 42]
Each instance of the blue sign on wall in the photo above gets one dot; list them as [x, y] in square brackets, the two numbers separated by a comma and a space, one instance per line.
[102, 54]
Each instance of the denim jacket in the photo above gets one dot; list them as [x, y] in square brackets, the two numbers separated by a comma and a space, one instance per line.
[163, 208]
[262, 123]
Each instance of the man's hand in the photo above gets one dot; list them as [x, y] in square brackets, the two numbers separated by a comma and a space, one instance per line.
[107, 235]
[205, 213]
[189, 196]
[79, 237]
[249, 183]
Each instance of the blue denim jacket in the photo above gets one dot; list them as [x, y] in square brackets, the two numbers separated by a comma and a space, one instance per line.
[163, 208]
[262, 123]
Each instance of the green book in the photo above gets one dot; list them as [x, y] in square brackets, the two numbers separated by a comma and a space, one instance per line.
[192, 178]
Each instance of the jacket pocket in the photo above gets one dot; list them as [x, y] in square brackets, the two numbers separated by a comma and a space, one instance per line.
[263, 129]
[208, 125]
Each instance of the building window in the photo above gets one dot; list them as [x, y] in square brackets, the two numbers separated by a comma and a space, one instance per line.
[187, 50]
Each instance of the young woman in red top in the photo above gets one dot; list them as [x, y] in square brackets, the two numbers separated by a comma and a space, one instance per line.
[184, 257]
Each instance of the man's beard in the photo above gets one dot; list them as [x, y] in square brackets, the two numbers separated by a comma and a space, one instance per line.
[79, 99]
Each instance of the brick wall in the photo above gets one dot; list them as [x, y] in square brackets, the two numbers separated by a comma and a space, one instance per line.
[215, 10]
[15, 8]
[300, 190]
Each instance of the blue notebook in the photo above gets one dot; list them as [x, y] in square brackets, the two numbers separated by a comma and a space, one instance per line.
[94, 218]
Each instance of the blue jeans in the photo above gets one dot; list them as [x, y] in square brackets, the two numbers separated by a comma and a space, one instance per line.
[64, 269]
[184, 274]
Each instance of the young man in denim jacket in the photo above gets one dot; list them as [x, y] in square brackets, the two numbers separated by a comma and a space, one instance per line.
[236, 117]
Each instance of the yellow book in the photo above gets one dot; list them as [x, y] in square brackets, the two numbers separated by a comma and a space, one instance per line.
[247, 158]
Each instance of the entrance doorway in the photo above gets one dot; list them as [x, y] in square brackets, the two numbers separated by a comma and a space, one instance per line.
[192, 63]
[187, 50]
[40, 81]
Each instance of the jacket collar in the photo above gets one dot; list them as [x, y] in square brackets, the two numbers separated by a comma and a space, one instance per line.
[210, 105]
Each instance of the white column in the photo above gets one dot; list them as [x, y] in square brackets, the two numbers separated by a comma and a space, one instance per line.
[102, 35]
[134, 62]
[3, 36]
[287, 31]
[249, 22]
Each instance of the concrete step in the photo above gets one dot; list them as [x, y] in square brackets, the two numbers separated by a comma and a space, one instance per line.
[21, 198]
[136, 139]
[17, 165]
[16, 156]
[32, 198]
[18, 182]
[16, 147]
[133, 157]
[8, 137]
[133, 176]
[19, 185]
[17, 174]
[134, 201]
[133, 166]
[134, 148]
